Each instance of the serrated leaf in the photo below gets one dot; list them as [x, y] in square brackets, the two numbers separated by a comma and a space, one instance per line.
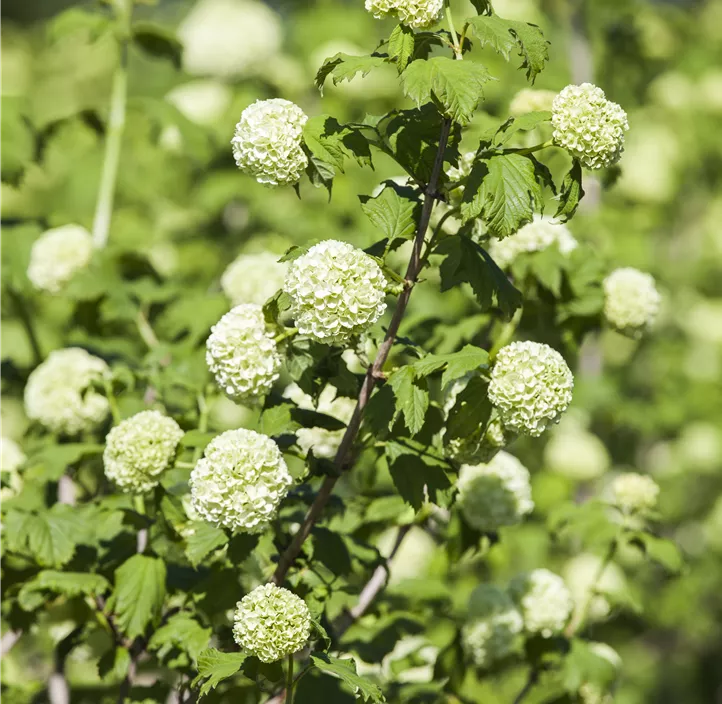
[345, 670]
[471, 410]
[412, 399]
[456, 364]
[158, 41]
[184, 632]
[401, 46]
[276, 420]
[392, 212]
[57, 458]
[343, 67]
[571, 193]
[69, 584]
[456, 85]
[416, 478]
[523, 123]
[583, 665]
[215, 666]
[114, 663]
[201, 539]
[139, 592]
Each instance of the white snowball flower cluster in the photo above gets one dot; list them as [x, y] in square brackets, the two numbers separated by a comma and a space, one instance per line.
[635, 493]
[531, 386]
[581, 574]
[493, 631]
[418, 14]
[536, 236]
[267, 142]
[336, 291]
[240, 481]
[57, 255]
[324, 443]
[544, 600]
[576, 453]
[495, 494]
[531, 100]
[253, 278]
[59, 395]
[242, 354]
[631, 300]
[138, 450]
[11, 459]
[271, 622]
[590, 127]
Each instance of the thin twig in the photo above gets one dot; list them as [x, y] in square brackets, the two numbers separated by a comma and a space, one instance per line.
[532, 679]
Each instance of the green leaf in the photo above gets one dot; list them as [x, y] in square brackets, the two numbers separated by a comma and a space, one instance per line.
[343, 67]
[504, 35]
[456, 364]
[70, 584]
[583, 665]
[401, 46]
[571, 193]
[276, 420]
[661, 550]
[523, 123]
[320, 174]
[471, 410]
[158, 41]
[456, 85]
[332, 142]
[416, 477]
[201, 539]
[139, 593]
[345, 670]
[215, 666]
[411, 399]
[57, 458]
[393, 212]
[184, 632]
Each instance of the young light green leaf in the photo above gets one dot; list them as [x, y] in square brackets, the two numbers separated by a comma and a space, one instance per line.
[343, 67]
[201, 539]
[401, 46]
[392, 213]
[346, 671]
[33, 593]
[456, 363]
[215, 666]
[184, 632]
[412, 399]
[523, 123]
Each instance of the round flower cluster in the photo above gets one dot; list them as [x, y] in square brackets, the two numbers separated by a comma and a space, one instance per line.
[336, 291]
[271, 622]
[267, 142]
[240, 481]
[635, 493]
[59, 392]
[57, 255]
[139, 449]
[11, 459]
[531, 386]
[631, 300]
[534, 237]
[418, 14]
[495, 626]
[581, 574]
[253, 278]
[495, 494]
[576, 453]
[323, 442]
[242, 354]
[588, 126]
[544, 600]
[531, 100]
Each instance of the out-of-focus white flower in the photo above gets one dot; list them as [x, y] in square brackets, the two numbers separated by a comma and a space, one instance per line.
[576, 453]
[580, 574]
[267, 142]
[531, 100]
[713, 527]
[418, 14]
[11, 459]
[495, 494]
[531, 386]
[631, 300]
[710, 91]
[201, 101]
[536, 236]
[271, 622]
[336, 291]
[57, 255]
[699, 447]
[635, 493]
[544, 600]
[590, 127]
[140, 449]
[242, 354]
[59, 393]
[212, 45]
[240, 481]
[253, 278]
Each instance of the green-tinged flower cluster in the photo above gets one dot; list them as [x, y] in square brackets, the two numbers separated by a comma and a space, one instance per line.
[12, 458]
[531, 100]
[242, 354]
[267, 142]
[271, 623]
[590, 127]
[635, 493]
[536, 236]
[59, 393]
[418, 14]
[140, 449]
[494, 627]
[495, 494]
[531, 386]
[57, 255]
[582, 576]
[253, 278]
[631, 300]
[240, 481]
[336, 292]
[576, 453]
[544, 600]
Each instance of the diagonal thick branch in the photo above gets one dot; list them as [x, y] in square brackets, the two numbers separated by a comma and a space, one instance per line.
[373, 373]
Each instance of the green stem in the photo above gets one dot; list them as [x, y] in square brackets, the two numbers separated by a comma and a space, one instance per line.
[202, 423]
[27, 322]
[115, 128]
[505, 335]
[289, 681]
[452, 31]
[112, 402]
[535, 148]
[145, 330]
[289, 332]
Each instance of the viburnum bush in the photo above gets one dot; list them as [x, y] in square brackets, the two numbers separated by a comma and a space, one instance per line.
[216, 483]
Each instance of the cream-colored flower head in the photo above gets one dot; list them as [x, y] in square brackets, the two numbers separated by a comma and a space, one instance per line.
[140, 449]
[418, 14]
[544, 600]
[531, 386]
[336, 292]
[576, 453]
[57, 255]
[494, 627]
[12, 458]
[631, 300]
[59, 393]
[531, 100]
[495, 494]
[590, 127]
[267, 142]
[253, 278]
[240, 481]
[536, 236]
[271, 622]
[242, 354]
[635, 493]
[581, 574]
